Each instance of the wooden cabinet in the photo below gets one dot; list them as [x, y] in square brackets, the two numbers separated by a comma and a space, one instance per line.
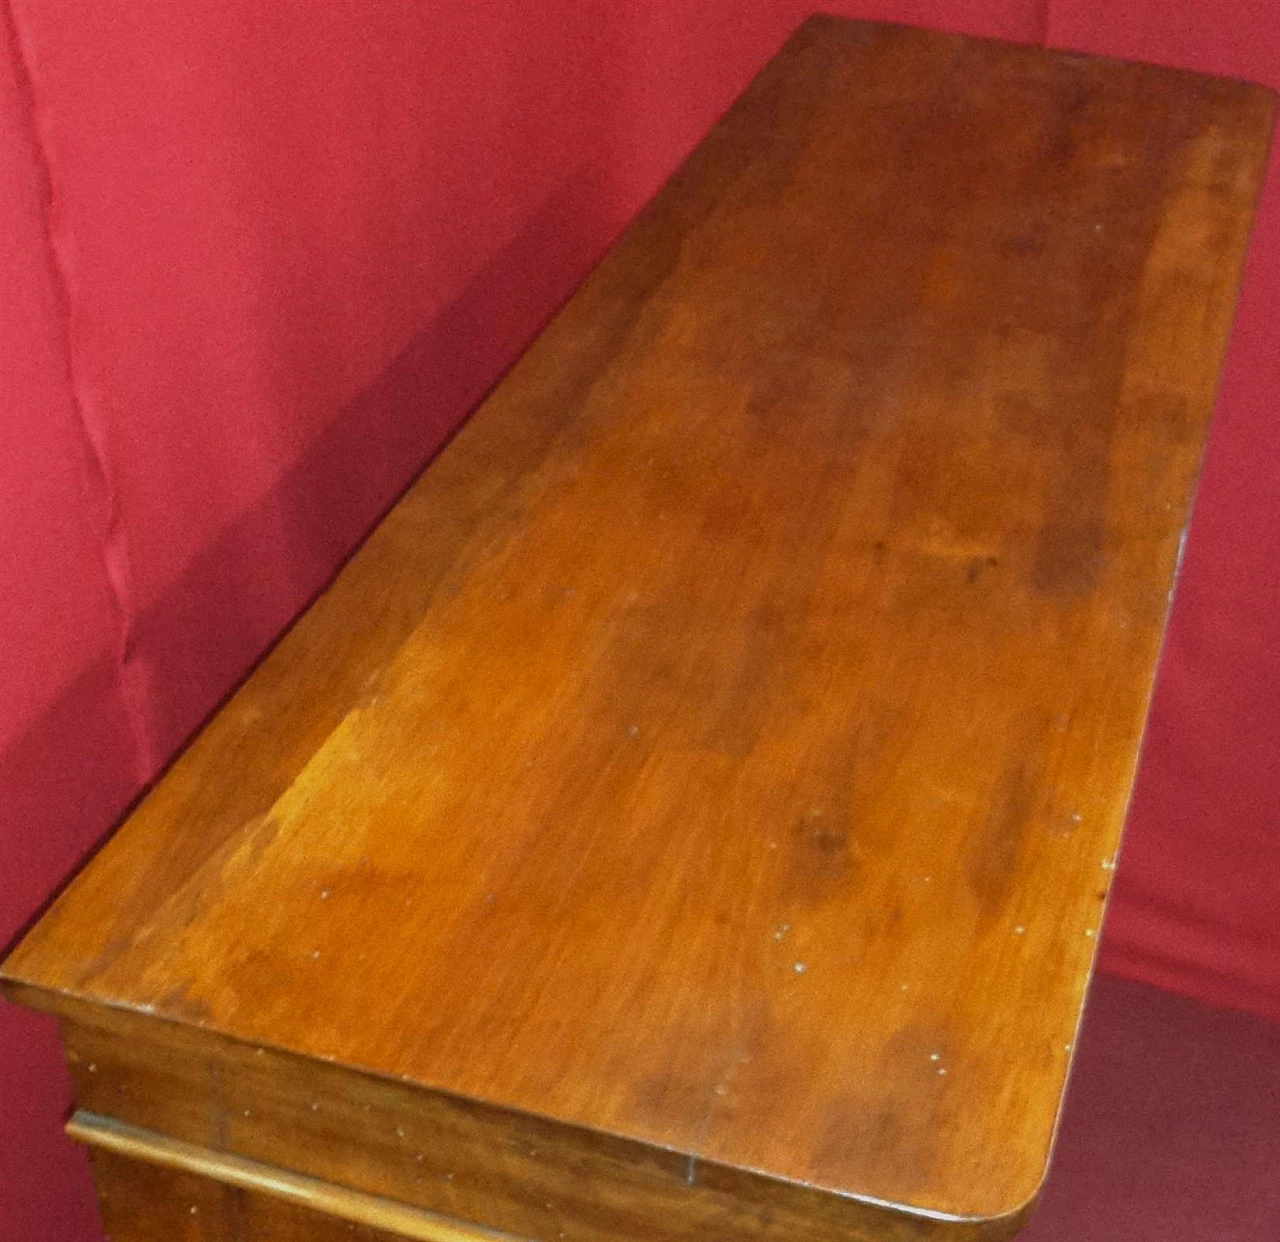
[690, 813]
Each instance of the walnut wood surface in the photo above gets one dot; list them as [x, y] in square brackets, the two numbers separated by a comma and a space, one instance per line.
[144, 1202]
[724, 745]
[463, 1160]
[385, 1217]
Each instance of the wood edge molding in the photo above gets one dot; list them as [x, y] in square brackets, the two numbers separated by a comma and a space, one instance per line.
[333, 1200]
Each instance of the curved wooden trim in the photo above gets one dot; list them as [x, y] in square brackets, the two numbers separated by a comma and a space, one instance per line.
[333, 1200]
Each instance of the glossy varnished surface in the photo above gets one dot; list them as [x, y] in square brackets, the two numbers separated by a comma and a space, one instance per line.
[143, 1202]
[725, 743]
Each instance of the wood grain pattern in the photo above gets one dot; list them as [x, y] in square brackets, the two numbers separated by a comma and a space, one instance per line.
[267, 1182]
[724, 745]
[144, 1202]
[525, 1175]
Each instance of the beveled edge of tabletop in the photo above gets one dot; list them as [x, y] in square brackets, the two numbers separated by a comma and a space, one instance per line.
[665, 1179]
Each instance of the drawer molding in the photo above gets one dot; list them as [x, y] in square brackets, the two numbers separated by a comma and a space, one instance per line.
[329, 1198]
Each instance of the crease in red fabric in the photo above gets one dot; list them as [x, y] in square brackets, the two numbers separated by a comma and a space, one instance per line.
[114, 552]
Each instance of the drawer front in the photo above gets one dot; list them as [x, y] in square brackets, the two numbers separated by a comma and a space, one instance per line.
[151, 1186]
[146, 1203]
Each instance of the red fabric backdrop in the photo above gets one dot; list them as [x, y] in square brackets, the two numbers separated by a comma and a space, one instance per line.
[260, 257]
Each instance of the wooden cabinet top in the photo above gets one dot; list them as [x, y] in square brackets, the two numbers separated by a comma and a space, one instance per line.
[724, 744]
